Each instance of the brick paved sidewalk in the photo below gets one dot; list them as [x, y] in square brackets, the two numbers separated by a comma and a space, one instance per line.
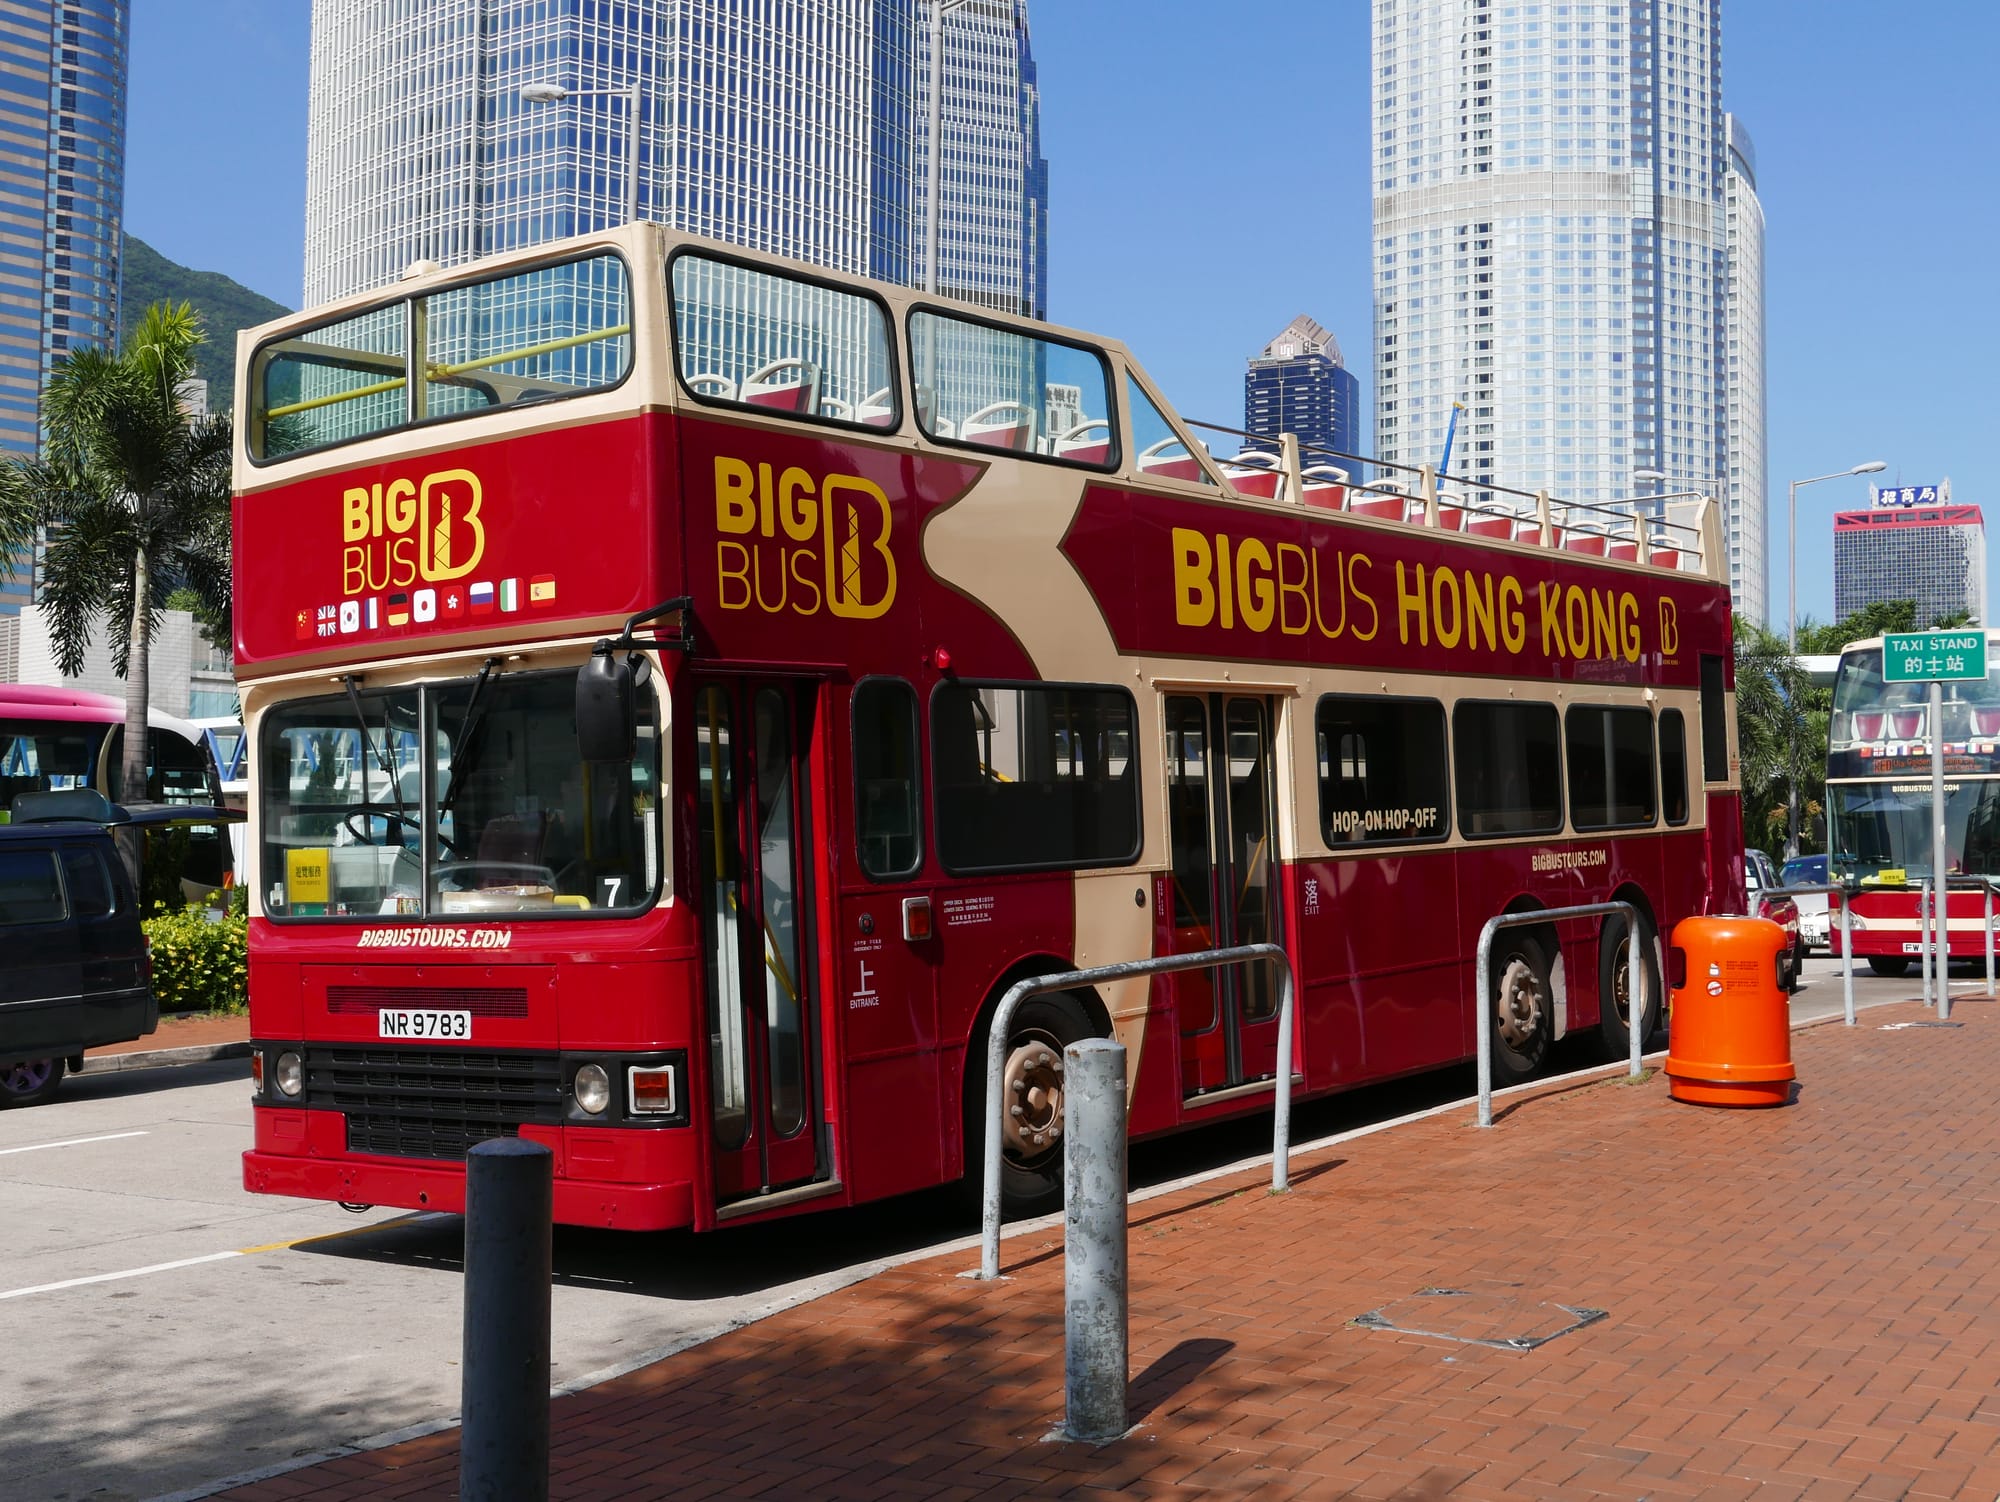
[1800, 1303]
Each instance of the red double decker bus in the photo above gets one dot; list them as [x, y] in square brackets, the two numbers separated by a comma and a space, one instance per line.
[1878, 801]
[686, 689]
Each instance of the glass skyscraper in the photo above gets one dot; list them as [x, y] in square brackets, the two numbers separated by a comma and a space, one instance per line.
[1551, 243]
[1300, 384]
[62, 195]
[791, 126]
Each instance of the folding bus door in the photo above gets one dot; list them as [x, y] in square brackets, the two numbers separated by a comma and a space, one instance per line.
[755, 830]
[1222, 818]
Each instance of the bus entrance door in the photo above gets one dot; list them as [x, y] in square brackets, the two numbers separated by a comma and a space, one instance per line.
[1221, 782]
[754, 820]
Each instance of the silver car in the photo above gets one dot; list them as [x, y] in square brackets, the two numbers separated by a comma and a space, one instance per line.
[1815, 921]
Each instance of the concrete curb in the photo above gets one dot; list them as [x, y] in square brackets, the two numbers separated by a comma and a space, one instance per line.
[152, 1058]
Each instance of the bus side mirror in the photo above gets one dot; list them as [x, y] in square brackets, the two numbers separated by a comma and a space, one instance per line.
[607, 727]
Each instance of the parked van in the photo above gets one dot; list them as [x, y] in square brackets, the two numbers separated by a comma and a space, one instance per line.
[74, 973]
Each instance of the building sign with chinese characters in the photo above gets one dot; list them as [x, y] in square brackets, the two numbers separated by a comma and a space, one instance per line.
[1927, 656]
[1912, 495]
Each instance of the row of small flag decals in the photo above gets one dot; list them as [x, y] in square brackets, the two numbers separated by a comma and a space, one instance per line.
[420, 607]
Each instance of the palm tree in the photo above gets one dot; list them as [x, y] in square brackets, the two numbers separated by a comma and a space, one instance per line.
[131, 494]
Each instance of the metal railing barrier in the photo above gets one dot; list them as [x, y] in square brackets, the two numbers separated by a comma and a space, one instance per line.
[1166, 964]
[1941, 932]
[1635, 1010]
[1833, 888]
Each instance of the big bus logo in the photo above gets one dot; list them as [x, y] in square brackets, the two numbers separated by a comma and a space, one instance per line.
[410, 530]
[793, 541]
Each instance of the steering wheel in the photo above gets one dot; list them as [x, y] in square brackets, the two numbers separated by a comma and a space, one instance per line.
[362, 837]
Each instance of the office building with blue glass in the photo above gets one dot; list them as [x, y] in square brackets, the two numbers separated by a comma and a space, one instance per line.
[1300, 384]
[62, 192]
[796, 127]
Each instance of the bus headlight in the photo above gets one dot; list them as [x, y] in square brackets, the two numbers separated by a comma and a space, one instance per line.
[593, 1089]
[290, 1073]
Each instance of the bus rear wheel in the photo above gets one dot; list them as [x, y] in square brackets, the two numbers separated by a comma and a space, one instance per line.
[1614, 985]
[1888, 964]
[1031, 1093]
[1524, 1009]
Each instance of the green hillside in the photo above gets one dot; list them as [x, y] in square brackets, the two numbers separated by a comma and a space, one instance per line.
[225, 306]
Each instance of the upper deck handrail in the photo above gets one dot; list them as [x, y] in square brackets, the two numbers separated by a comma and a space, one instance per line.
[440, 371]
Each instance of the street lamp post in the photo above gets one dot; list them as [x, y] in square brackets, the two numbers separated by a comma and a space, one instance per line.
[555, 93]
[1872, 467]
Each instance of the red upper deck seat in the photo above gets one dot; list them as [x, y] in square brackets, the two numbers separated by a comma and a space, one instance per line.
[800, 394]
[1016, 430]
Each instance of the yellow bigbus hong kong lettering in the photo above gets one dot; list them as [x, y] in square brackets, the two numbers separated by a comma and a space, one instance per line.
[1219, 580]
[1248, 584]
[792, 541]
[404, 531]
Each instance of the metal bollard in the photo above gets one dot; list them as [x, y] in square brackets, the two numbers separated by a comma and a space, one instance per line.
[1924, 936]
[1095, 1324]
[1988, 888]
[509, 1209]
[1847, 953]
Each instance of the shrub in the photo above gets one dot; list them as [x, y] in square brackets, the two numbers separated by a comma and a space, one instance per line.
[199, 965]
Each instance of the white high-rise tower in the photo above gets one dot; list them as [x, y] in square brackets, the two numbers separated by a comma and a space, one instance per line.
[1743, 381]
[1550, 242]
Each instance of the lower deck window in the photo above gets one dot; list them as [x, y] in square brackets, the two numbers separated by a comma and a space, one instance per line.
[1034, 777]
[1508, 758]
[1610, 766]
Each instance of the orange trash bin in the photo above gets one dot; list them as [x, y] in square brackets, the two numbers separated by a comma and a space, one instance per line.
[1729, 1042]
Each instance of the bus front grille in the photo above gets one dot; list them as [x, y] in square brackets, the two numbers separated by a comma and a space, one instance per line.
[432, 1103]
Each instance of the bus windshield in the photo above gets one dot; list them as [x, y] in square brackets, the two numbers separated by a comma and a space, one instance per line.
[509, 819]
[1874, 827]
[41, 756]
[1869, 712]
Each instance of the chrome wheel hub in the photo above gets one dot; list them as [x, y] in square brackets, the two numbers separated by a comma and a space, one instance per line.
[1520, 1004]
[1033, 1084]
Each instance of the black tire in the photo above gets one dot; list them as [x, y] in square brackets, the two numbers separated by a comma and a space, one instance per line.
[1031, 1174]
[32, 1082]
[1524, 1008]
[1888, 964]
[1614, 978]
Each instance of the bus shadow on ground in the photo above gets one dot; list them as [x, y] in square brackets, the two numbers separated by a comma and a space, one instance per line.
[685, 1267]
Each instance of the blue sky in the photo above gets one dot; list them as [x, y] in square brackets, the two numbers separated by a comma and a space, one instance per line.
[1206, 186]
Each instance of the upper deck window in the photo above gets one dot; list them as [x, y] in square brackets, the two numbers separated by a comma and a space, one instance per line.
[999, 388]
[750, 338]
[549, 332]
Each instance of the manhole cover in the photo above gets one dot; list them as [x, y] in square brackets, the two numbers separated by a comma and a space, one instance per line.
[1505, 1320]
[1897, 1027]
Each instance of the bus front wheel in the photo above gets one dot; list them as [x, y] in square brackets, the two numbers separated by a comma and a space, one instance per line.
[1888, 964]
[1523, 1002]
[1031, 1099]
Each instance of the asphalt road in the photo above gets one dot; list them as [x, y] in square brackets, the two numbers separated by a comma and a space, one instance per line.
[166, 1329]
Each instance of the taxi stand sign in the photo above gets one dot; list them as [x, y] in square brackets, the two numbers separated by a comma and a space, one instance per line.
[1936, 658]
[1933, 656]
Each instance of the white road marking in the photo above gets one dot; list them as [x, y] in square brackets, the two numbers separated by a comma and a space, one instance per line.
[35, 1147]
[130, 1272]
[241, 1251]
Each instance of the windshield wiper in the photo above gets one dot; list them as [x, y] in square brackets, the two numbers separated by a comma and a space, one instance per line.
[381, 752]
[467, 730]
